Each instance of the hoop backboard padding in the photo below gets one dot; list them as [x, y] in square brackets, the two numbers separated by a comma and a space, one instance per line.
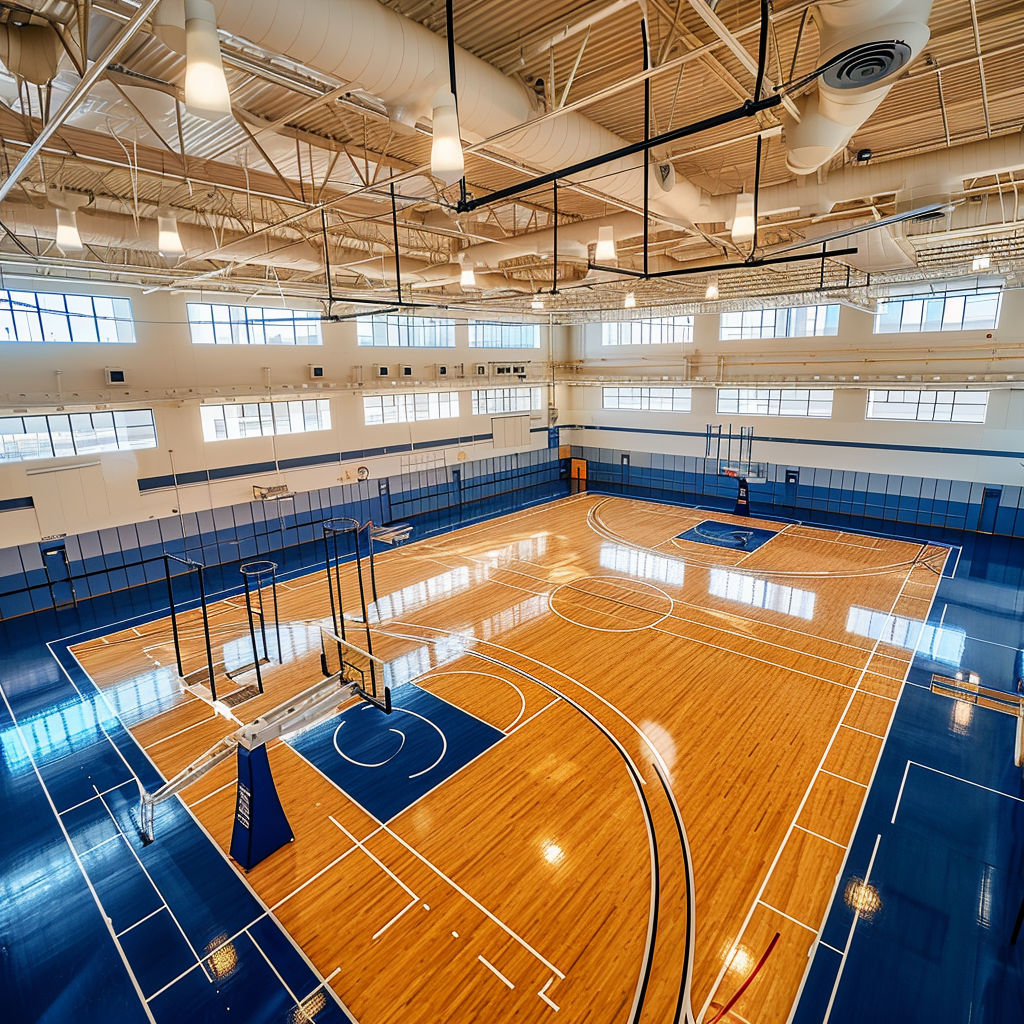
[261, 573]
[200, 570]
[261, 827]
[363, 670]
[742, 507]
[752, 472]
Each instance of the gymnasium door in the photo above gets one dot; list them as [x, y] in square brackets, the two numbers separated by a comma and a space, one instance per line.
[577, 476]
[58, 575]
[989, 507]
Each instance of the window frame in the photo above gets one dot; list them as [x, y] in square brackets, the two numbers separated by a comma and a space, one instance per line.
[230, 324]
[263, 419]
[645, 397]
[497, 401]
[410, 407]
[480, 329]
[779, 322]
[935, 313]
[958, 396]
[26, 317]
[778, 402]
[401, 330]
[650, 331]
[68, 434]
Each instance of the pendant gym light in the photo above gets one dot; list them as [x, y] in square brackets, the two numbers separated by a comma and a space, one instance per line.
[743, 227]
[446, 160]
[711, 292]
[169, 241]
[605, 250]
[206, 88]
[467, 277]
[630, 301]
[68, 238]
[537, 303]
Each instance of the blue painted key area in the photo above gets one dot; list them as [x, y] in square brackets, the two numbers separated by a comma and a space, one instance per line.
[727, 535]
[387, 762]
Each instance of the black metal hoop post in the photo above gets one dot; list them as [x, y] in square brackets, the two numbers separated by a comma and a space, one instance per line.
[258, 571]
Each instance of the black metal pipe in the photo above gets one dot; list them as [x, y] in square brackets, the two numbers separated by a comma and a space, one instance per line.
[554, 233]
[449, 18]
[766, 262]
[337, 578]
[394, 226]
[647, 138]
[206, 632]
[762, 51]
[277, 619]
[252, 633]
[373, 574]
[757, 189]
[263, 615]
[174, 617]
[330, 584]
[366, 617]
[748, 109]
[327, 261]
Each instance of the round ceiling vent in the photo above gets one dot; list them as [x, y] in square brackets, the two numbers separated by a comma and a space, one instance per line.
[867, 64]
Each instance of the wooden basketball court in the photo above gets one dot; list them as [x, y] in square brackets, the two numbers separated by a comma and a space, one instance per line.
[651, 754]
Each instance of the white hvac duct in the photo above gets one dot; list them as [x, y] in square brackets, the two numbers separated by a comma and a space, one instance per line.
[870, 41]
[404, 64]
[115, 229]
[937, 173]
[31, 52]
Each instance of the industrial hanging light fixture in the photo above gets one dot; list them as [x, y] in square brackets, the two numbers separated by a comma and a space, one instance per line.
[68, 238]
[982, 262]
[711, 292]
[743, 227]
[206, 88]
[536, 302]
[630, 301]
[605, 251]
[169, 241]
[467, 277]
[446, 160]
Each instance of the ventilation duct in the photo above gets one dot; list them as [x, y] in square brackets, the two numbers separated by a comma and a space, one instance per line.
[116, 230]
[404, 64]
[31, 52]
[864, 43]
[941, 172]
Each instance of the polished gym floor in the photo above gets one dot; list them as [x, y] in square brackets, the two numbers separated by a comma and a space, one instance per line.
[631, 745]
